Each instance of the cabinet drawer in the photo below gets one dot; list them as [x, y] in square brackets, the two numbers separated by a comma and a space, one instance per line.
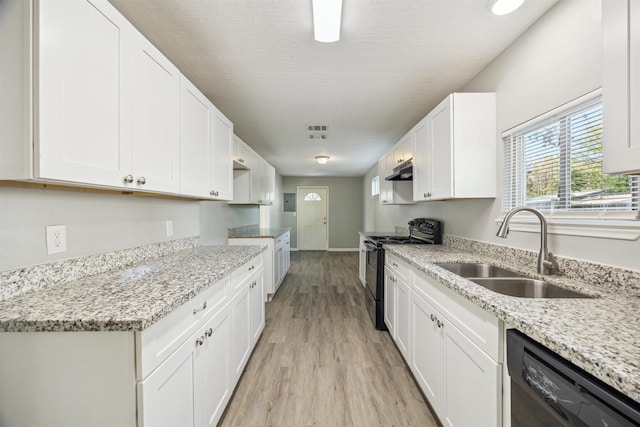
[161, 339]
[477, 324]
[283, 238]
[400, 268]
[239, 276]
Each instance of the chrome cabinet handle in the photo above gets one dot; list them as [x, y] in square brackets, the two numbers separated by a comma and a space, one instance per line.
[214, 193]
[196, 310]
[427, 194]
[208, 332]
[433, 318]
[142, 180]
[199, 341]
[394, 264]
[252, 267]
[128, 179]
[439, 323]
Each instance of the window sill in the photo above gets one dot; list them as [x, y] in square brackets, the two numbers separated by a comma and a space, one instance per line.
[617, 229]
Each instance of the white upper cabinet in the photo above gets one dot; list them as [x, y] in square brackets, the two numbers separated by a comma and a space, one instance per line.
[155, 126]
[621, 86]
[255, 181]
[241, 154]
[394, 192]
[195, 140]
[455, 149]
[82, 127]
[104, 108]
[206, 146]
[403, 150]
[221, 153]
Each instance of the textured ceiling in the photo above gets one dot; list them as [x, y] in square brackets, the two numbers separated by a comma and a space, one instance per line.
[256, 60]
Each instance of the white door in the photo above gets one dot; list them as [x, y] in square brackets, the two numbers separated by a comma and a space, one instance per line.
[441, 140]
[241, 326]
[390, 302]
[257, 307]
[312, 218]
[403, 319]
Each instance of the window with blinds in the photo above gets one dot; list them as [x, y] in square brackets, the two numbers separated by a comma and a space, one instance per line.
[555, 165]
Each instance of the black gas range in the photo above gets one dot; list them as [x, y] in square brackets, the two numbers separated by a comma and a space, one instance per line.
[421, 231]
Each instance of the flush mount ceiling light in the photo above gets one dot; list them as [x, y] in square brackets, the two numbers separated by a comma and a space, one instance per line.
[326, 20]
[322, 159]
[503, 7]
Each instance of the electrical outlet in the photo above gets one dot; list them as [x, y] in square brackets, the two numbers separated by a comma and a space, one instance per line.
[56, 239]
[169, 228]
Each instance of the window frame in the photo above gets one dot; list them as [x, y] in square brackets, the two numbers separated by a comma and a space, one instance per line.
[623, 225]
[375, 186]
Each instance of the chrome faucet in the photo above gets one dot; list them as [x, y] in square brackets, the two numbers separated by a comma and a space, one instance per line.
[546, 262]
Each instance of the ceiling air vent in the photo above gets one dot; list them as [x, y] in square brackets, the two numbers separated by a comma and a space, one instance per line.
[317, 133]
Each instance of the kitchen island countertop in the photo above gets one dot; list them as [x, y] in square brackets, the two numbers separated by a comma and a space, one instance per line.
[600, 335]
[127, 299]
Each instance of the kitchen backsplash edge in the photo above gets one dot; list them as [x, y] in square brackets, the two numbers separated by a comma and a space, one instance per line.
[20, 281]
[606, 277]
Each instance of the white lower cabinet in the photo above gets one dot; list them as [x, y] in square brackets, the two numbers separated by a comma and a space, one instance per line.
[178, 372]
[452, 346]
[193, 386]
[277, 259]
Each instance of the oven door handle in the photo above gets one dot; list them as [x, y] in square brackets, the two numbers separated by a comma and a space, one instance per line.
[370, 246]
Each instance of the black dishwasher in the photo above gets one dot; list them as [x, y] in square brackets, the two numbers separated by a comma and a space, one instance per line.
[549, 391]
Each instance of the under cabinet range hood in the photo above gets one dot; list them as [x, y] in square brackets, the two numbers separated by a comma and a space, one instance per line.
[402, 172]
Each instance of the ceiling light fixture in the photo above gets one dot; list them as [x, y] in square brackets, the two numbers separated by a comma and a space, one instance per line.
[322, 159]
[503, 7]
[327, 15]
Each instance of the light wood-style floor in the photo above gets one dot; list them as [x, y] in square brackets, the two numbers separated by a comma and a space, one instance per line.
[320, 362]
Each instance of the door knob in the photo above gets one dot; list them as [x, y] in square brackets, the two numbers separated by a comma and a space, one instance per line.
[128, 179]
[142, 180]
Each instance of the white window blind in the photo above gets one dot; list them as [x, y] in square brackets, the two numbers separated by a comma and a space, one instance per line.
[555, 165]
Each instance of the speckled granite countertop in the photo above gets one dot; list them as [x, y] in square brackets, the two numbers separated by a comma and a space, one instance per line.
[252, 233]
[128, 299]
[599, 335]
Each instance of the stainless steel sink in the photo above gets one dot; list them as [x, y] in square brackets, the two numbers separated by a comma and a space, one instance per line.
[473, 269]
[526, 288]
[508, 282]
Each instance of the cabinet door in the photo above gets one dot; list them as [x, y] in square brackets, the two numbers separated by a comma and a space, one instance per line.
[221, 157]
[390, 302]
[155, 119]
[241, 342]
[473, 383]
[441, 140]
[386, 187]
[426, 351]
[422, 161]
[257, 181]
[621, 86]
[407, 146]
[402, 151]
[278, 264]
[216, 372]
[195, 137]
[241, 153]
[403, 318]
[168, 397]
[270, 179]
[83, 93]
[257, 307]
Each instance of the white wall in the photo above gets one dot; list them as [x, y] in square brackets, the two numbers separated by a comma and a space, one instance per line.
[95, 223]
[555, 61]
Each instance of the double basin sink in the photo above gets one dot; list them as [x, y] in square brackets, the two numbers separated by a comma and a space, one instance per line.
[508, 282]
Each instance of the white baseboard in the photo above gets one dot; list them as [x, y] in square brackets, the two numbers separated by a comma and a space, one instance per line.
[293, 249]
[343, 249]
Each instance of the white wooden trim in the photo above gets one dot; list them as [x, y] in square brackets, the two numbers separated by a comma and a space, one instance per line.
[343, 250]
[617, 229]
[558, 110]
